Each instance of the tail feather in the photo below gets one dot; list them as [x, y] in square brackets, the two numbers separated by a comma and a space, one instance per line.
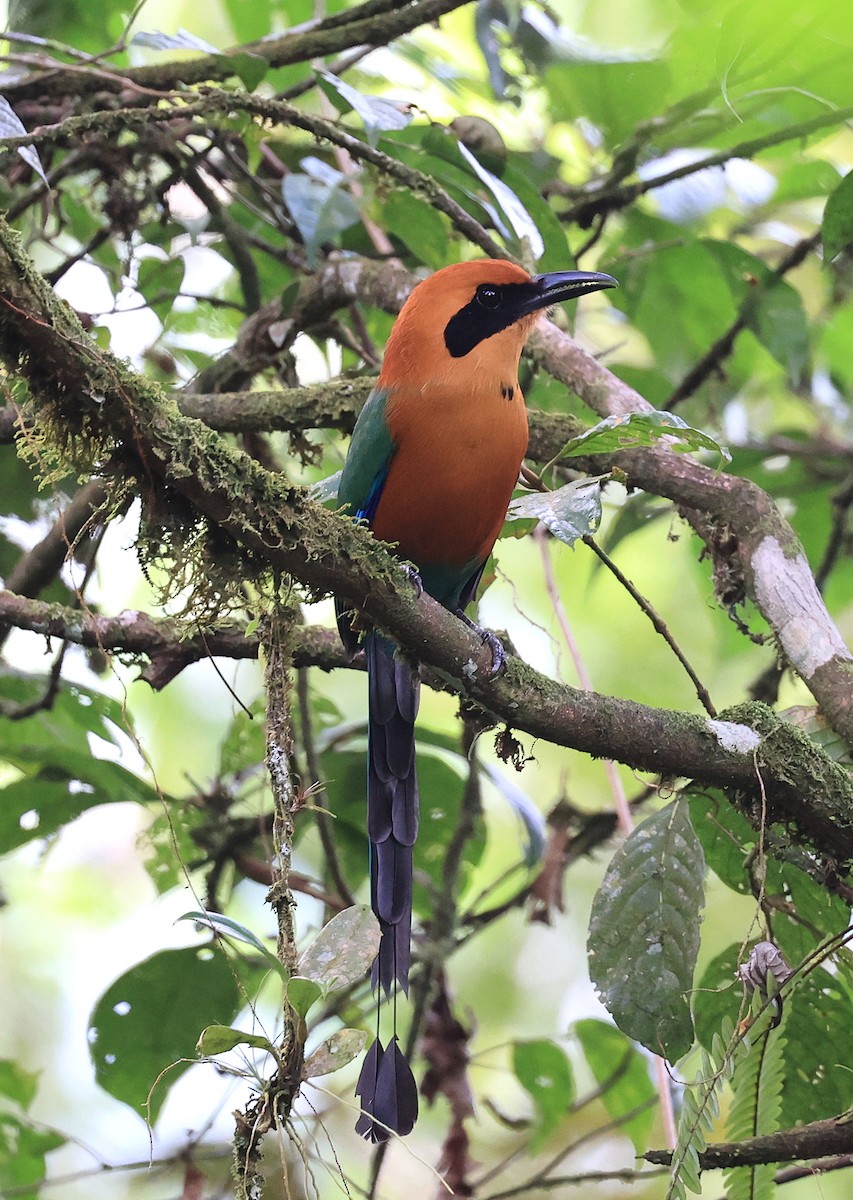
[392, 961]
[386, 1085]
[391, 881]
[392, 803]
[389, 1094]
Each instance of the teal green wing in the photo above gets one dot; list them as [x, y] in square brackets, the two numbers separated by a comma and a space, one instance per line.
[368, 460]
[362, 480]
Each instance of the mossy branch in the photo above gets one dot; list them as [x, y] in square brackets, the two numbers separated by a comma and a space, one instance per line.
[209, 101]
[373, 24]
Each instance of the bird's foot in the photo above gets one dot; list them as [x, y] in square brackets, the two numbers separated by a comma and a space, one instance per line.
[414, 578]
[488, 639]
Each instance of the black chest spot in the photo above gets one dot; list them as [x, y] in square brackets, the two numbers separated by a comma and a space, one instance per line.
[508, 391]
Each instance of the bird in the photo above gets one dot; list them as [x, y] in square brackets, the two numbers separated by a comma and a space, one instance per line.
[432, 463]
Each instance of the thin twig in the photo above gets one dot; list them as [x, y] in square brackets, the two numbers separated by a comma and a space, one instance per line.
[620, 800]
[723, 346]
[657, 621]
[838, 534]
[325, 822]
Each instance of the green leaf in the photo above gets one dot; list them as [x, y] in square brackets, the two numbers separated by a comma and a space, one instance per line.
[418, 226]
[22, 1156]
[244, 744]
[779, 322]
[571, 512]
[169, 843]
[148, 1022]
[158, 281]
[622, 1073]
[39, 805]
[17, 1084]
[218, 1039]
[498, 200]
[250, 69]
[818, 1068]
[75, 712]
[802, 180]
[338, 1050]
[320, 210]
[512, 218]
[343, 950]
[727, 838]
[757, 1085]
[837, 229]
[641, 429]
[811, 720]
[644, 931]
[301, 993]
[599, 90]
[377, 113]
[679, 297]
[556, 255]
[252, 21]
[543, 1070]
[225, 927]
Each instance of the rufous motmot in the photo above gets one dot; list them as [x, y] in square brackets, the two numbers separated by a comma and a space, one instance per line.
[434, 457]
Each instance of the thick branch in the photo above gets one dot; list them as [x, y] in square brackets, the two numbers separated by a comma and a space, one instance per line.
[166, 644]
[833, 1136]
[373, 24]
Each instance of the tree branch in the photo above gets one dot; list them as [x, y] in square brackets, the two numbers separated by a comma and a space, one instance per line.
[604, 197]
[372, 23]
[832, 1136]
[167, 644]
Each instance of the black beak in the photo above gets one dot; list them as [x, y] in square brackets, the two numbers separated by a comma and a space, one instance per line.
[566, 285]
[497, 306]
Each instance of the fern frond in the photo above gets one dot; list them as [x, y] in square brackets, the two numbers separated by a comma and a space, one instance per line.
[755, 1110]
[700, 1109]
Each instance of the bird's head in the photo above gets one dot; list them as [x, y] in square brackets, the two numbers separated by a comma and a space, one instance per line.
[476, 315]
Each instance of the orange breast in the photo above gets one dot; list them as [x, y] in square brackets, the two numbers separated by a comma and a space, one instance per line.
[452, 475]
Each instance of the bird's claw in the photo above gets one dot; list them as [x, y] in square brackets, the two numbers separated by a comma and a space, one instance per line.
[488, 639]
[414, 578]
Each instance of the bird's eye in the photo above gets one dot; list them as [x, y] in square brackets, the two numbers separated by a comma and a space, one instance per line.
[489, 296]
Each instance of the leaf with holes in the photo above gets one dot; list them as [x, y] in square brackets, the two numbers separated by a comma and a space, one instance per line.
[148, 1021]
[644, 931]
